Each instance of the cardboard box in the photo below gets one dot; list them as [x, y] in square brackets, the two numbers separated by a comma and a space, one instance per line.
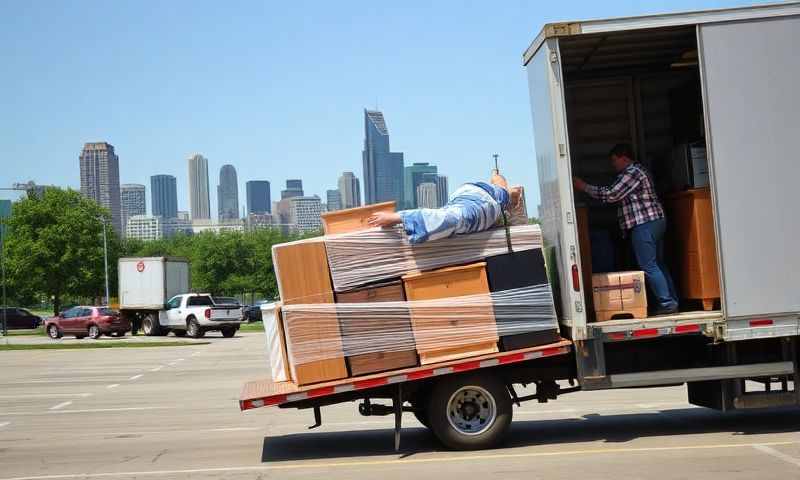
[454, 331]
[392, 324]
[513, 270]
[301, 270]
[352, 219]
[619, 295]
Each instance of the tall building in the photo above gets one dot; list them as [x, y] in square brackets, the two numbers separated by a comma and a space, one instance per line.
[100, 178]
[442, 190]
[426, 195]
[334, 199]
[228, 193]
[143, 227]
[383, 169]
[258, 197]
[413, 176]
[175, 226]
[164, 196]
[199, 203]
[304, 213]
[294, 188]
[350, 190]
[132, 201]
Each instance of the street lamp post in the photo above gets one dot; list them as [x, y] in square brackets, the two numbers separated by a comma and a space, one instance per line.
[3, 268]
[105, 259]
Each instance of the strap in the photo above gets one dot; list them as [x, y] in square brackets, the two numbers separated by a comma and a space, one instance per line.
[507, 227]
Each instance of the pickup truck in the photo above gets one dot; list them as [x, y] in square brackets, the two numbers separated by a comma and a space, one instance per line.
[197, 313]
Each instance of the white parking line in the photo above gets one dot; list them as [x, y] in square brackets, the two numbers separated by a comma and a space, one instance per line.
[777, 454]
[88, 410]
[157, 368]
[4, 424]
[113, 385]
[61, 405]
[136, 377]
[45, 395]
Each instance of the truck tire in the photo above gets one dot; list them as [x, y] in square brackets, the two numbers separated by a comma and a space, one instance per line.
[193, 328]
[228, 332]
[469, 412]
[150, 325]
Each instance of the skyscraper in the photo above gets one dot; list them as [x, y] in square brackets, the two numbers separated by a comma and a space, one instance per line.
[304, 213]
[334, 199]
[132, 201]
[258, 197]
[350, 190]
[442, 190]
[426, 195]
[383, 169]
[164, 196]
[294, 188]
[199, 203]
[413, 176]
[228, 193]
[142, 227]
[100, 178]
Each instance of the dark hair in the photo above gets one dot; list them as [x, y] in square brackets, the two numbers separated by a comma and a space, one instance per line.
[622, 150]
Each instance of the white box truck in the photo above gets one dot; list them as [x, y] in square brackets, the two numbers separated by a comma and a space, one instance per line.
[153, 294]
[726, 79]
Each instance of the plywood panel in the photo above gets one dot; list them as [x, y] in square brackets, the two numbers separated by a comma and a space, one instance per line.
[353, 219]
[301, 270]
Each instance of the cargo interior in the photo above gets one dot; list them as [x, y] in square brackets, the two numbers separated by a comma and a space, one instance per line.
[642, 88]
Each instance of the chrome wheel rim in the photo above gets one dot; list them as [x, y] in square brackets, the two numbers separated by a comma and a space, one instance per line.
[192, 329]
[147, 326]
[94, 331]
[471, 410]
[53, 331]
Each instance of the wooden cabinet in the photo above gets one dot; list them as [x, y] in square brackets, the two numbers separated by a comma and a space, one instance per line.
[390, 326]
[352, 219]
[692, 227]
[455, 329]
[314, 345]
[301, 270]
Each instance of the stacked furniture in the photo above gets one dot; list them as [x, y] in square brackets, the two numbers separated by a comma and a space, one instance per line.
[363, 300]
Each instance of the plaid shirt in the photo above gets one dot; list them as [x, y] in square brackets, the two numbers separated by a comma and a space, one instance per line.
[633, 190]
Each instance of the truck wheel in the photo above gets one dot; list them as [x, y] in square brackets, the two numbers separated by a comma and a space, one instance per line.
[469, 412]
[228, 332]
[150, 325]
[193, 328]
[94, 332]
[179, 333]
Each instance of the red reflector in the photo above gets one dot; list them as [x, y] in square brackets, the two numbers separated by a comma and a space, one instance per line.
[208, 313]
[647, 332]
[687, 328]
[617, 335]
[576, 278]
[761, 322]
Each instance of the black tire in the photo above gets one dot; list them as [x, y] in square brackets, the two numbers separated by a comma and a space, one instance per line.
[94, 332]
[228, 332]
[150, 325]
[179, 333]
[193, 328]
[53, 332]
[469, 412]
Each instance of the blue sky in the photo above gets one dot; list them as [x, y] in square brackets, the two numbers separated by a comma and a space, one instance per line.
[275, 88]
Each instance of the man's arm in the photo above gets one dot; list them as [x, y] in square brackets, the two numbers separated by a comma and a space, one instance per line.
[624, 184]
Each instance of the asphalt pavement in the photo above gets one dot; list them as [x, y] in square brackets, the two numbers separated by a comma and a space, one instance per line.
[172, 413]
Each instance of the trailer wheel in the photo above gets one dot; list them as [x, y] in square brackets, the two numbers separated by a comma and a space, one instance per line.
[150, 325]
[469, 412]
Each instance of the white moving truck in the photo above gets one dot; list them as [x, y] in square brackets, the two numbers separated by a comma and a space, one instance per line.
[152, 293]
[716, 89]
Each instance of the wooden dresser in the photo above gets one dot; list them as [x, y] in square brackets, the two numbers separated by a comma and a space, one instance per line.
[692, 227]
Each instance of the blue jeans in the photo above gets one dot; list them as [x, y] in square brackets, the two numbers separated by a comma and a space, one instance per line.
[648, 246]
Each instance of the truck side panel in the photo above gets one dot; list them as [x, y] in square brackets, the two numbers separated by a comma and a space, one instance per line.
[177, 278]
[750, 84]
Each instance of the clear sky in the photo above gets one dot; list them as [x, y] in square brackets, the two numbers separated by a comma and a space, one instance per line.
[275, 88]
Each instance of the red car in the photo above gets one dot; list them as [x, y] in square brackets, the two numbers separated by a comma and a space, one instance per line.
[87, 321]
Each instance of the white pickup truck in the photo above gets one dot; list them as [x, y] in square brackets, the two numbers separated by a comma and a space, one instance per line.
[151, 295]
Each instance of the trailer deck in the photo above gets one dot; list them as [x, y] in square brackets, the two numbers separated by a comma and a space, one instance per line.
[263, 393]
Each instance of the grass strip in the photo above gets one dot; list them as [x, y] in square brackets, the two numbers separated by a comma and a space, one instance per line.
[81, 346]
[252, 327]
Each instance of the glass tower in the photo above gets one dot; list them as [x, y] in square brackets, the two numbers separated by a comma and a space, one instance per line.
[164, 196]
[383, 169]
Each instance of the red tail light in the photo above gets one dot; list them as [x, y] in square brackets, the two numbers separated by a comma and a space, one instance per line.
[576, 278]
[208, 313]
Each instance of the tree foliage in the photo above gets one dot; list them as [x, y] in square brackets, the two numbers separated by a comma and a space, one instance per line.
[55, 247]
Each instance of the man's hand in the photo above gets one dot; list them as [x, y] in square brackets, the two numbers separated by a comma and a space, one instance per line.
[384, 219]
[579, 184]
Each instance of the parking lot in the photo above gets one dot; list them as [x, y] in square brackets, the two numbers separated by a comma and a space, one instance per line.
[172, 412]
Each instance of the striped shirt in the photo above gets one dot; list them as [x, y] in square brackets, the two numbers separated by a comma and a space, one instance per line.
[633, 191]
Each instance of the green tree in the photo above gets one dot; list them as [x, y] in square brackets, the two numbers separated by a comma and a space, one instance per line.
[55, 246]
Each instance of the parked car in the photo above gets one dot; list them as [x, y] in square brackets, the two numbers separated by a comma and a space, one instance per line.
[83, 321]
[20, 318]
[252, 313]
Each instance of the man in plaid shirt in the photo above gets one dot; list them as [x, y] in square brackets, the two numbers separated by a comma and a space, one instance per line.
[640, 214]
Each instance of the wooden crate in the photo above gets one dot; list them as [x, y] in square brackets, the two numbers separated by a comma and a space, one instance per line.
[352, 219]
[399, 330]
[473, 329]
[301, 270]
[619, 295]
